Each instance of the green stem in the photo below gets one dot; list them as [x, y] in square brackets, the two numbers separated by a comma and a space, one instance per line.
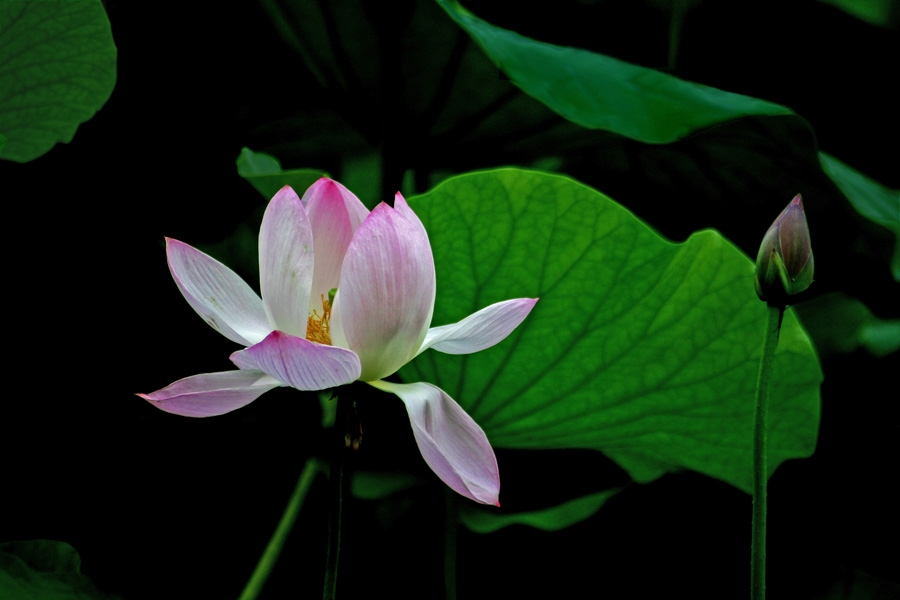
[339, 479]
[273, 549]
[760, 467]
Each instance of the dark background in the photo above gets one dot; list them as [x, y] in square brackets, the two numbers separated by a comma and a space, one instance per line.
[163, 506]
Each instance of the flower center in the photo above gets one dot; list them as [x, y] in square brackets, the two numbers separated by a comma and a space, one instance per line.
[317, 324]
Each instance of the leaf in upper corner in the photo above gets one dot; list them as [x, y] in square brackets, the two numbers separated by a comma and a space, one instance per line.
[58, 68]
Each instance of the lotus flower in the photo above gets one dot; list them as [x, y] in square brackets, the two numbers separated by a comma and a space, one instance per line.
[303, 334]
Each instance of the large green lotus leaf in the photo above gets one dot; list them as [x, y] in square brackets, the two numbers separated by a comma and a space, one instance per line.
[58, 67]
[641, 348]
[601, 92]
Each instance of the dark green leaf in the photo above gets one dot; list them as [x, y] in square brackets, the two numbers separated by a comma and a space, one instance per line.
[251, 163]
[873, 200]
[374, 485]
[876, 12]
[601, 92]
[838, 323]
[486, 520]
[264, 173]
[44, 569]
[58, 67]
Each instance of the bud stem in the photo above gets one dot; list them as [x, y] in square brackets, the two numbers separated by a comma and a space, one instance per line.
[760, 466]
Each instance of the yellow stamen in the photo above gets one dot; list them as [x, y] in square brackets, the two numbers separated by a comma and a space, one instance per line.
[317, 325]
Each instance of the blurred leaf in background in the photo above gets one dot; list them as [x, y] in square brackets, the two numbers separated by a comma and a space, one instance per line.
[45, 569]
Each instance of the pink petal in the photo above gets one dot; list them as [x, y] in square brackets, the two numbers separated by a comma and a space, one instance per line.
[385, 299]
[452, 444]
[299, 363]
[211, 394]
[286, 262]
[218, 295]
[480, 330]
[334, 214]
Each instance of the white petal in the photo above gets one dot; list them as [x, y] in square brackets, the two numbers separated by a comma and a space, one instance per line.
[218, 295]
[334, 214]
[452, 444]
[385, 299]
[286, 262]
[299, 363]
[211, 394]
[480, 330]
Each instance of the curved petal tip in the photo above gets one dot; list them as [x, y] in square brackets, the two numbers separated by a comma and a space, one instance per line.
[483, 329]
[211, 394]
[451, 442]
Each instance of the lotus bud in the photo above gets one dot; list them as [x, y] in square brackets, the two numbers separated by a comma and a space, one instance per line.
[784, 265]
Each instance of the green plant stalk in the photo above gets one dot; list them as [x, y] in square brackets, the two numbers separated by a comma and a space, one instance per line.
[288, 518]
[339, 480]
[329, 591]
[760, 463]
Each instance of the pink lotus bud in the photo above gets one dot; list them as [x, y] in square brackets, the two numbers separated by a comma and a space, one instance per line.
[784, 265]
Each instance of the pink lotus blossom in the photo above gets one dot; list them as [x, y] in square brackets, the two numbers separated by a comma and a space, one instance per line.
[378, 320]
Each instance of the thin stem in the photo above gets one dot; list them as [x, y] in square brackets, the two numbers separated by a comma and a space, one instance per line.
[340, 482]
[451, 519]
[760, 467]
[273, 549]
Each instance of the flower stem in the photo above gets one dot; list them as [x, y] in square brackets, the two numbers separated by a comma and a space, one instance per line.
[339, 480]
[273, 549]
[760, 467]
